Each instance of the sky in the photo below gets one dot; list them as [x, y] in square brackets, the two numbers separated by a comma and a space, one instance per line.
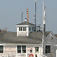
[10, 13]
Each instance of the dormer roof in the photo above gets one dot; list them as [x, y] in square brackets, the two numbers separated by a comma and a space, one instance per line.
[25, 23]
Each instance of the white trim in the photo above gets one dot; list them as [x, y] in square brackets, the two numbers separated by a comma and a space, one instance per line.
[24, 25]
[19, 44]
[16, 49]
[56, 53]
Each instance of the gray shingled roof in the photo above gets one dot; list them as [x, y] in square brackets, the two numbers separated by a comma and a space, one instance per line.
[11, 37]
[25, 23]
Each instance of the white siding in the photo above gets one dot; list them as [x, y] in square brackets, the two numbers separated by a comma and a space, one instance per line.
[56, 53]
[24, 33]
[11, 50]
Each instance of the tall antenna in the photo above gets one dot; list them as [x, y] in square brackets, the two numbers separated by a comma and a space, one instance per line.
[44, 17]
[22, 16]
[35, 14]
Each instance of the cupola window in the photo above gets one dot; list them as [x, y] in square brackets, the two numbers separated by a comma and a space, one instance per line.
[20, 28]
[24, 28]
[29, 28]
[32, 28]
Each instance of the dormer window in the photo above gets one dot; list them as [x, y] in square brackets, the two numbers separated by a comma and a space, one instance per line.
[20, 28]
[32, 28]
[24, 28]
[29, 28]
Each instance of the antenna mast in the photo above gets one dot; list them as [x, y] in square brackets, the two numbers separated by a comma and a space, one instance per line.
[22, 16]
[35, 14]
[44, 16]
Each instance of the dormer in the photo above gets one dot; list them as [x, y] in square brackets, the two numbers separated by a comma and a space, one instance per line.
[24, 28]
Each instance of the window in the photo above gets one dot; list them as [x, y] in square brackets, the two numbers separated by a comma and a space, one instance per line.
[32, 28]
[24, 28]
[18, 49]
[47, 49]
[20, 28]
[21, 49]
[36, 49]
[1, 49]
[29, 28]
[24, 49]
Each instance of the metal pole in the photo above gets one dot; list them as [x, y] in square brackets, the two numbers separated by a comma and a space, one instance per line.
[22, 16]
[43, 30]
[35, 15]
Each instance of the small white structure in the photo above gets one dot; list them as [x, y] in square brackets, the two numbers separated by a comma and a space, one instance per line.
[23, 29]
[27, 43]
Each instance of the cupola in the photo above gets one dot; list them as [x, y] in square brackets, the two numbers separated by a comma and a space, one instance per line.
[24, 28]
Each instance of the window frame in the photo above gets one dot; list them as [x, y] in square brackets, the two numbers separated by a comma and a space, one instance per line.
[20, 28]
[37, 49]
[23, 49]
[1, 51]
[24, 28]
[32, 28]
[18, 48]
[29, 28]
[47, 50]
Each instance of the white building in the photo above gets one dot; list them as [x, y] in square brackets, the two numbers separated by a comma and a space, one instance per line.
[27, 43]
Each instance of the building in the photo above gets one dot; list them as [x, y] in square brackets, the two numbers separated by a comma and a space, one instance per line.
[27, 43]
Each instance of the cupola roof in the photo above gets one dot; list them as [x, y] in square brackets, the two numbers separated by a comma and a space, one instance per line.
[25, 23]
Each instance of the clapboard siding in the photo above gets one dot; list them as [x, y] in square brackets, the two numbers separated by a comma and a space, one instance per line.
[12, 50]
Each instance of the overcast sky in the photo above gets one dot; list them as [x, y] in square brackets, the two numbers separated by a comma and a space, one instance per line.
[10, 13]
